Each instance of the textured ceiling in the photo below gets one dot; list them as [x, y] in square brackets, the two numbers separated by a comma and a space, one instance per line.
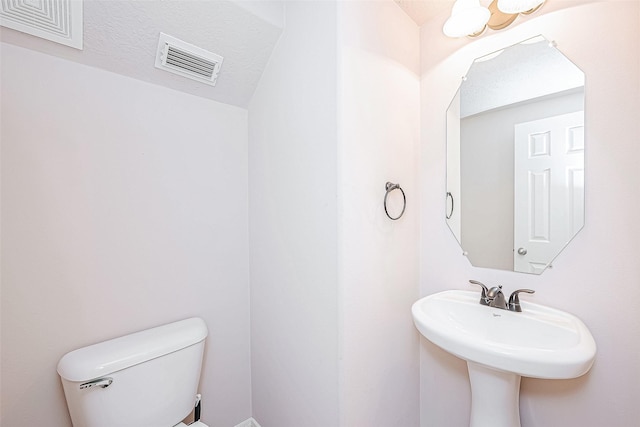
[423, 10]
[122, 37]
[522, 72]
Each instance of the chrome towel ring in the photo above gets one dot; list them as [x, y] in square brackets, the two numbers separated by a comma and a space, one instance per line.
[390, 187]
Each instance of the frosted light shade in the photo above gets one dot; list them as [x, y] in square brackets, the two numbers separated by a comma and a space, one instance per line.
[518, 6]
[467, 17]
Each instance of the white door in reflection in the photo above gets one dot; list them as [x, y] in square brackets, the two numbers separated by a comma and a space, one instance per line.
[548, 188]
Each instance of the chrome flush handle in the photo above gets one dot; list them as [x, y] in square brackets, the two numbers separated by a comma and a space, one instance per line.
[98, 382]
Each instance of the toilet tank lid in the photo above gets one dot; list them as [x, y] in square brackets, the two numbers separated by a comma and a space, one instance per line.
[114, 355]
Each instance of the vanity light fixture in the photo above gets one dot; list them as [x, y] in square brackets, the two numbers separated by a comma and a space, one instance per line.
[519, 6]
[467, 18]
[470, 18]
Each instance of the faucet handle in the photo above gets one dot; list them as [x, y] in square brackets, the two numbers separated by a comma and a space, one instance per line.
[514, 300]
[483, 298]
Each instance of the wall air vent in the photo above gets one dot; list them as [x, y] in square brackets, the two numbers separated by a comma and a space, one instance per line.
[187, 60]
[57, 20]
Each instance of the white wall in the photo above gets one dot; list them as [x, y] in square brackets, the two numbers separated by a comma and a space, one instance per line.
[599, 271]
[332, 279]
[378, 141]
[293, 225]
[124, 206]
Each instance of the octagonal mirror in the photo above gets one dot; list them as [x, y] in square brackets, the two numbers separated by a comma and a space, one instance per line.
[515, 157]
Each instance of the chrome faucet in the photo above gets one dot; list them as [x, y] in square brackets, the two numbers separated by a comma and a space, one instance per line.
[495, 298]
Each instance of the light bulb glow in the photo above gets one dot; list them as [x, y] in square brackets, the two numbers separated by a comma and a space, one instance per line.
[467, 18]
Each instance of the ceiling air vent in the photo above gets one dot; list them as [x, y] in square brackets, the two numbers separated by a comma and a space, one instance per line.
[57, 20]
[187, 60]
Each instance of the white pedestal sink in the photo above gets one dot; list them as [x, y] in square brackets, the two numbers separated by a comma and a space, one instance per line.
[500, 346]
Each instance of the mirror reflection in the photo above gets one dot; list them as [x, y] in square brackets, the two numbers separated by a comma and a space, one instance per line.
[515, 157]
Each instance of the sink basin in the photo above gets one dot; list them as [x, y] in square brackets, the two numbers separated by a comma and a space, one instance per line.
[540, 342]
[500, 346]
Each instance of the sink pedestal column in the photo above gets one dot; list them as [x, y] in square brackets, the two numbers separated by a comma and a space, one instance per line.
[495, 397]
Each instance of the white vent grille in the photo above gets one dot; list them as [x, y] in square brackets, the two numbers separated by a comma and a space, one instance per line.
[57, 20]
[187, 60]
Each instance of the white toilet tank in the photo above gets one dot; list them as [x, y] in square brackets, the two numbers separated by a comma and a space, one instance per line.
[146, 379]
